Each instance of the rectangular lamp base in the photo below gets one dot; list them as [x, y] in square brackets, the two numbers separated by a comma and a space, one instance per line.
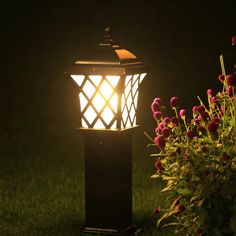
[131, 230]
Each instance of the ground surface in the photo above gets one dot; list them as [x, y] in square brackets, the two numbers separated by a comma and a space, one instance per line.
[42, 187]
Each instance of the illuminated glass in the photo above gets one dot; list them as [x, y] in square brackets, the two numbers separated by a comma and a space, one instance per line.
[78, 79]
[99, 100]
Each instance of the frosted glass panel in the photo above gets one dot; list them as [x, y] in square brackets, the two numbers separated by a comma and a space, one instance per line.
[142, 77]
[107, 115]
[96, 79]
[88, 89]
[106, 89]
[114, 102]
[83, 101]
[78, 79]
[90, 115]
[98, 102]
[113, 80]
[99, 125]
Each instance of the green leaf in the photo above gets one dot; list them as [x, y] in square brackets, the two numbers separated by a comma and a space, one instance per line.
[170, 224]
[155, 176]
[167, 215]
[165, 177]
[184, 191]
[168, 188]
[232, 122]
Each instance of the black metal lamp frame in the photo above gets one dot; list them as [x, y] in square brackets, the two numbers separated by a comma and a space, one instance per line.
[108, 182]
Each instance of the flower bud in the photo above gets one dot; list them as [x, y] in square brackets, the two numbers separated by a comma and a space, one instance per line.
[174, 121]
[231, 80]
[174, 101]
[156, 211]
[181, 208]
[159, 101]
[157, 115]
[166, 120]
[166, 132]
[190, 134]
[234, 40]
[155, 107]
[160, 141]
[182, 112]
[158, 166]
[221, 78]
[210, 92]
[200, 108]
[212, 126]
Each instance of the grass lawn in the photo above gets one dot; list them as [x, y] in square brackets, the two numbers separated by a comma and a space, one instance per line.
[42, 186]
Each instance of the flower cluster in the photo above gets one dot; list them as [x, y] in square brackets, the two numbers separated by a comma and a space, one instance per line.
[196, 159]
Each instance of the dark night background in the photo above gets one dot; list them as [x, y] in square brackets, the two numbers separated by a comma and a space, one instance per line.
[180, 40]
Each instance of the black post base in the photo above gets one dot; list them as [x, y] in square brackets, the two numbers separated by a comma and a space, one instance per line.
[108, 182]
[131, 230]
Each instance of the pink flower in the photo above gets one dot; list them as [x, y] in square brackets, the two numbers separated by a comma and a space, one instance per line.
[166, 132]
[210, 92]
[181, 208]
[158, 131]
[212, 126]
[174, 101]
[158, 166]
[190, 134]
[204, 115]
[221, 78]
[160, 141]
[155, 107]
[231, 80]
[194, 109]
[166, 120]
[174, 121]
[156, 211]
[213, 99]
[157, 115]
[234, 40]
[200, 108]
[159, 101]
[197, 120]
[202, 129]
[160, 125]
[231, 91]
[215, 119]
[182, 112]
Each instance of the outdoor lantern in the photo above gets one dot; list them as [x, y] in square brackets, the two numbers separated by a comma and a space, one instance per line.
[108, 79]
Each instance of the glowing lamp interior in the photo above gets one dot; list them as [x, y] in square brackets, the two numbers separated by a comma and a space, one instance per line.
[99, 100]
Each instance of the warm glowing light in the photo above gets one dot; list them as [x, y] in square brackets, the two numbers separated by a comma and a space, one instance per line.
[96, 79]
[78, 79]
[107, 115]
[89, 89]
[124, 54]
[142, 77]
[129, 100]
[83, 101]
[113, 80]
[99, 99]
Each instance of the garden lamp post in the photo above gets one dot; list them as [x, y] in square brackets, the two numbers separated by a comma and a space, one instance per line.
[108, 78]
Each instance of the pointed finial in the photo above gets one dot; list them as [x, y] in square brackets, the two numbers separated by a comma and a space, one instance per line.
[108, 35]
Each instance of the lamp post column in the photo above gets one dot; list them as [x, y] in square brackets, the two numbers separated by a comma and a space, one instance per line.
[108, 182]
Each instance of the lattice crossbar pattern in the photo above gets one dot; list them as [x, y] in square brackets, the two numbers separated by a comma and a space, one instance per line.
[98, 101]
[129, 100]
